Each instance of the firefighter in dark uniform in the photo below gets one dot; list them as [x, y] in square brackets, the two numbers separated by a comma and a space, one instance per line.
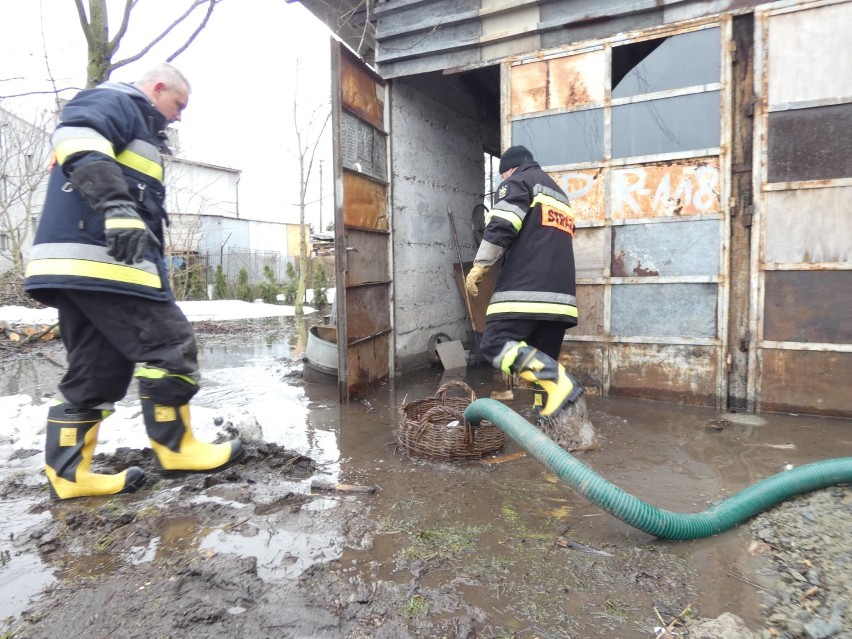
[531, 229]
[97, 257]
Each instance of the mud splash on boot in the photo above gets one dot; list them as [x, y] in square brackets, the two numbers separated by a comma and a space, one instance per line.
[571, 428]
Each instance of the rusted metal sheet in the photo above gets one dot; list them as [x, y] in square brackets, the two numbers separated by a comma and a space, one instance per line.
[673, 249]
[591, 251]
[587, 190]
[364, 148]
[802, 306]
[810, 144]
[672, 373]
[368, 364]
[666, 189]
[590, 310]
[365, 202]
[809, 225]
[806, 381]
[361, 93]
[664, 310]
[366, 257]
[370, 303]
[587, 362]
[528, 87]
[810, 55]
[576, 80]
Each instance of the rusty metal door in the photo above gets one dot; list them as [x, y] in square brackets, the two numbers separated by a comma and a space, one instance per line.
[801, 359]
[362, 233]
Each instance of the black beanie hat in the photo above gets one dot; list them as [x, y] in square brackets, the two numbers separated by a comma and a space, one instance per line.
[514, 156]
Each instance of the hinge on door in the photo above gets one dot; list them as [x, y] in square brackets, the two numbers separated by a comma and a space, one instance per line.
[745, 342]
[748, 213]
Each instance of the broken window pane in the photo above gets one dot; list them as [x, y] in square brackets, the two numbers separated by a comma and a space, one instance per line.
[683, 60]
[668, 125]
[564, 138]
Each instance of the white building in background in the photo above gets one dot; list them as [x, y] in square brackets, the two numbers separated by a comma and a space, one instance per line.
[24, 154]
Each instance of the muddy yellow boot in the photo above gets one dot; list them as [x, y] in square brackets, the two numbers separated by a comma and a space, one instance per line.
[72, 434]
[561, 387]
[175, 446]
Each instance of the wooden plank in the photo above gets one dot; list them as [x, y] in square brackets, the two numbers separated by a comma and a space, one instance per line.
[369, 262]
[590, 305]
[591, 251]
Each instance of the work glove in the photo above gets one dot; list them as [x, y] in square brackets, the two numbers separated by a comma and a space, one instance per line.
[471, 283]
[126, 234]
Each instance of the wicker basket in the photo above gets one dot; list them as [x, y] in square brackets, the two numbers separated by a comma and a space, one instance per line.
[435, 429]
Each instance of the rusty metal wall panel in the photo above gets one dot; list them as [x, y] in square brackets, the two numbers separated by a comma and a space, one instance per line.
[563, 138]
[664, 310]
[369, 262]
[591, 252]
[369, 364]
[590, 305]
[802, 306]
[364, 202]
[811, 380]
[810, 55]
[672, 373]
[674, 249]
[587, 362]
[528, 87]
[810, 144]
[666, 189]
[576, 80]
[587, 190]
[371, 303]
[363, 148]
[809, 225]
[361, 94]
[667, 125]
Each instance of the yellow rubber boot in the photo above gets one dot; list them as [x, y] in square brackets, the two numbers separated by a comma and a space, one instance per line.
[561, 387]
[72, 434]
[175, 446]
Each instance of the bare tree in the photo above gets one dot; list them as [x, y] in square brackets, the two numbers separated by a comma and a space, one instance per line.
[309, 134]
[24, 153]
[102, 48]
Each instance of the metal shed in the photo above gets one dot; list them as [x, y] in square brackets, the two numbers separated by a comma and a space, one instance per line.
[704, 145]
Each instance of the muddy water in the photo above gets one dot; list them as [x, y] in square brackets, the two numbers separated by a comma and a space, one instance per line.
[495, 524]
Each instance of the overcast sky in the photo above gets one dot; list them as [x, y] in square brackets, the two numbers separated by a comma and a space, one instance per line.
[242, 68]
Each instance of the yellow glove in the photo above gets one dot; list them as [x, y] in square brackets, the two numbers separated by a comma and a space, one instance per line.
[474, 278]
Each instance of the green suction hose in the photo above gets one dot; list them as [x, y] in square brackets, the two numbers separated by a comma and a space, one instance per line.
[650, 519]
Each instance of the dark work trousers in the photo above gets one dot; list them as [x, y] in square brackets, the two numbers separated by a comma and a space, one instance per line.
[106, 334]
[545, 335]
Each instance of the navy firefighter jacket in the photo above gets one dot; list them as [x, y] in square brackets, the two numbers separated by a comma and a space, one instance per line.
[112, 123]
[531, 229]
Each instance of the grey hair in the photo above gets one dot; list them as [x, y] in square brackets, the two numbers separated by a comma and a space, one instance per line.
[164, 72]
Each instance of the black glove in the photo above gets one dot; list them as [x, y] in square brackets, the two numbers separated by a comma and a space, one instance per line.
[126, 234]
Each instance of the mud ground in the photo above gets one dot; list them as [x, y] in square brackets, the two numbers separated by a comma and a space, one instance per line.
[475, 549]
